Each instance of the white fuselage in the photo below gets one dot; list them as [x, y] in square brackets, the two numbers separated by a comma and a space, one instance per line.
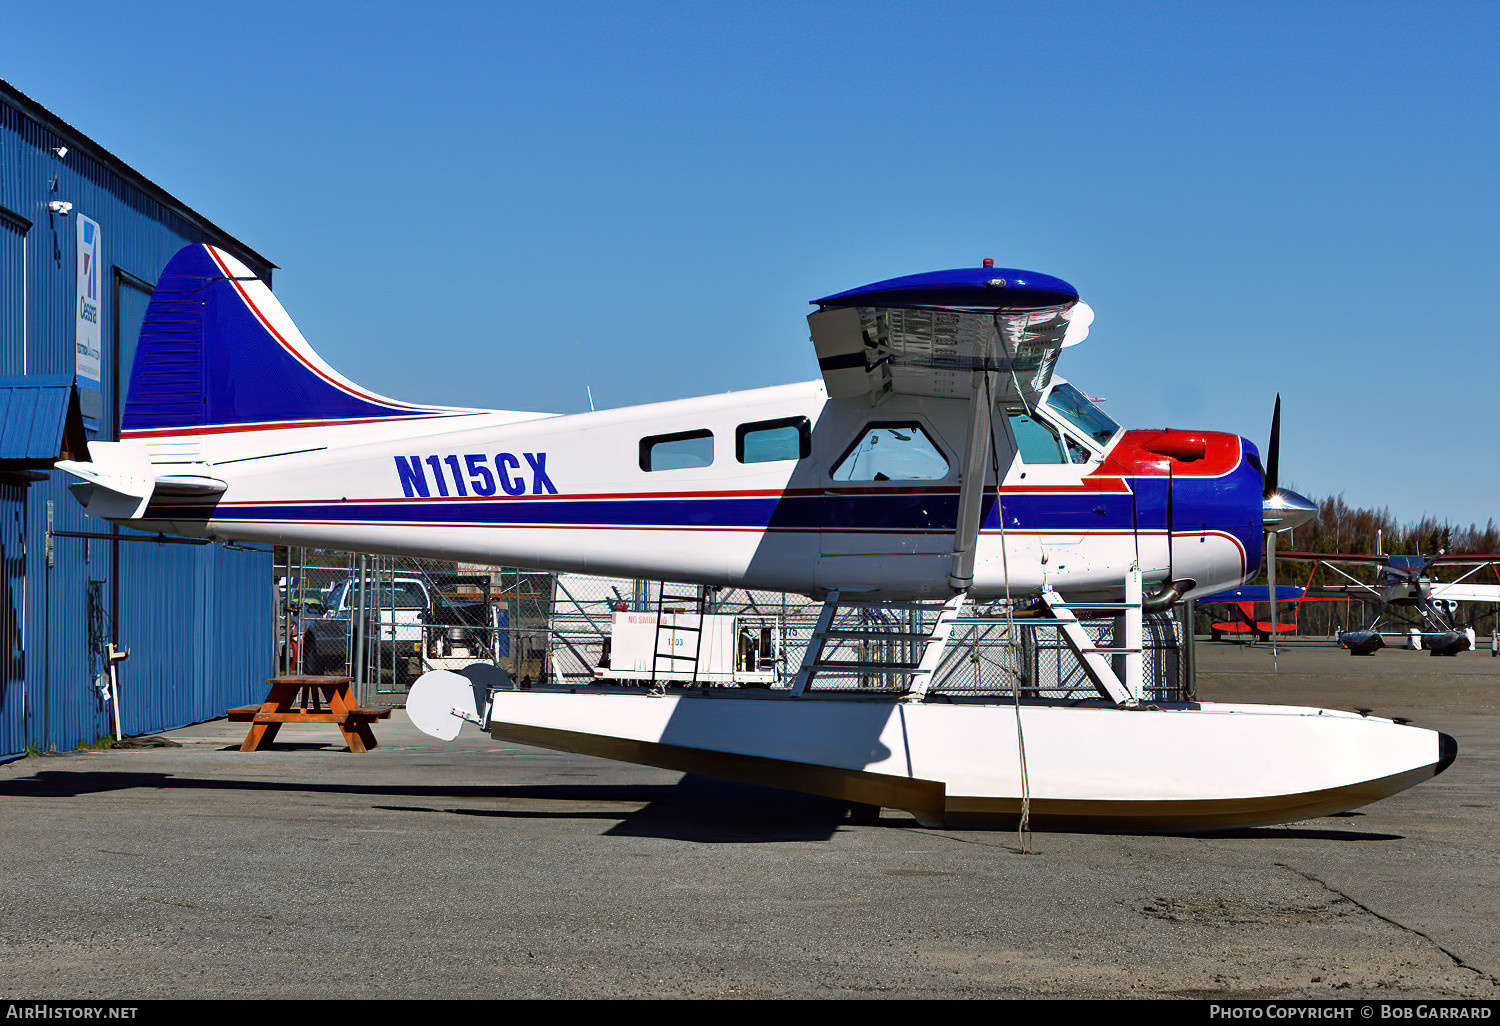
[569, 493]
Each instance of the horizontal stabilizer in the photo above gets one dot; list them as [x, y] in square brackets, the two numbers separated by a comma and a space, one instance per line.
[189, 485]
[117, 485]
[120, 482]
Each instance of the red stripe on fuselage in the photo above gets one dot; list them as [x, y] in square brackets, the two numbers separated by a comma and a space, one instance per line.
[1090, 487]
[279, 425]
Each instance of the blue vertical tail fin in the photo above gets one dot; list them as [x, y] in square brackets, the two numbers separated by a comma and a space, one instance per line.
[218, 352]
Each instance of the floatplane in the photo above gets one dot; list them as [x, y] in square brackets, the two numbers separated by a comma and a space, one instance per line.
[1407, 584]
[937, 458]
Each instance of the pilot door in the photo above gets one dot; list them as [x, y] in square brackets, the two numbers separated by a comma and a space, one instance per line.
[1045, 501]
[890, 487]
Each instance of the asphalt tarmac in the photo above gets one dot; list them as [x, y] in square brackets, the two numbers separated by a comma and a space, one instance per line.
[486, 869]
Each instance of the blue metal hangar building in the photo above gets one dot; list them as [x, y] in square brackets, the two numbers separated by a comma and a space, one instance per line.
[82, 240]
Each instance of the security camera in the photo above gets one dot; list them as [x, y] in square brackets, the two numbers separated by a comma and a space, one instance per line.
[61, 151]
[60, 207]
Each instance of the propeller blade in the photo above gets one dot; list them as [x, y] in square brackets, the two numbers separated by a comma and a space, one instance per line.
[1273, 450]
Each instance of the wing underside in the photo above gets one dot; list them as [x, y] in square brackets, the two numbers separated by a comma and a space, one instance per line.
[935, 352]
[1467, 592]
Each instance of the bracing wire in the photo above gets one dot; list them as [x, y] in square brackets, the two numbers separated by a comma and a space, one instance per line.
[1023, 826]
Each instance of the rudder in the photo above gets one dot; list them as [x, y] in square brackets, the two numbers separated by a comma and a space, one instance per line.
[218, 352]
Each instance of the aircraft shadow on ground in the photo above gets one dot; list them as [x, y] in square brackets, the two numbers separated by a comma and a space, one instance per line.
[694, 809]
[702, 810]
[714, 811]
[66, 784]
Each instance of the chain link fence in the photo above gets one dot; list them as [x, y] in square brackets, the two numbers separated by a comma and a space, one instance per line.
[982, 659]
[385, 620]
[595, 642]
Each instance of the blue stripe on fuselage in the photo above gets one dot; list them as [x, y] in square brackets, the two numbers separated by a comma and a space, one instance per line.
[1230, 504]
[1199, 505]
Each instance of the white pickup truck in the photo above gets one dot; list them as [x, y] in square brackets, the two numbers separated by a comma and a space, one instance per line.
[418, 623]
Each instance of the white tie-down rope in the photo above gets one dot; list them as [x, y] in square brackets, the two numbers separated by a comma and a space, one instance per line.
[1023, 826]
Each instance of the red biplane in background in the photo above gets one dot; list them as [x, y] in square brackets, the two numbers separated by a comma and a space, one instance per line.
[1240, 604]
[1241, 618]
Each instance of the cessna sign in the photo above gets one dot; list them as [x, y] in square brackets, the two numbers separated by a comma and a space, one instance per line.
[87, 345]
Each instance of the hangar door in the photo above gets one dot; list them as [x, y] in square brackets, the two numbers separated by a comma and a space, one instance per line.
[12, 498]
[154, 589]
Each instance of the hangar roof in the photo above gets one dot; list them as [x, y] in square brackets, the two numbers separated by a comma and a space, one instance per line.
[9, 94]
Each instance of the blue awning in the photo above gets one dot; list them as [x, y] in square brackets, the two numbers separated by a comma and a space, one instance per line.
[35, 420]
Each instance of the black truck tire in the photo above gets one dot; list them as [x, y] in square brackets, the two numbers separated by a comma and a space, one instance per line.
[312, 662]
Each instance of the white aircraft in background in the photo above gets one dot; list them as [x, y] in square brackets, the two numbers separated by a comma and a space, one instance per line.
[1406, 583]
[937, 457]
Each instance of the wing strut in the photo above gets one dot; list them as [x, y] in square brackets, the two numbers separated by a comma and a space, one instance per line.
[971, 484]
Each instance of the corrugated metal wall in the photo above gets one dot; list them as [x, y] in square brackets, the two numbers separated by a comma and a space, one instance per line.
[196, 618]
[12, 495]
[179, 673]
[12, 595]
[12, 292]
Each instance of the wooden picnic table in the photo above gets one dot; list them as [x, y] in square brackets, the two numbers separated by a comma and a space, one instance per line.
[300, 699]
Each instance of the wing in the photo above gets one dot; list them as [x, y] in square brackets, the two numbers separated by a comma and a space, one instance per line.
[1256, 593]
[955, 334]
[1333, 557]
[1467, 592]
[926, 333]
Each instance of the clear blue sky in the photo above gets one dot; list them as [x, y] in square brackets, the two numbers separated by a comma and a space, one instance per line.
[495, 204]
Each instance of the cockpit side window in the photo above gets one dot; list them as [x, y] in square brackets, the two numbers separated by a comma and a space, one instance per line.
[1080, 412]
[1037, 442]
[892, 452]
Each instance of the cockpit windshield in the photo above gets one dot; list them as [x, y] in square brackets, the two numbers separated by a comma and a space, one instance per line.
[1076, 408]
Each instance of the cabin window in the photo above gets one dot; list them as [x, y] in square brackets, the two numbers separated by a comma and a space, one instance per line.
[892, 452]
[1077, 409]
[1036, 441]
[681, 451]
[769, 440]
